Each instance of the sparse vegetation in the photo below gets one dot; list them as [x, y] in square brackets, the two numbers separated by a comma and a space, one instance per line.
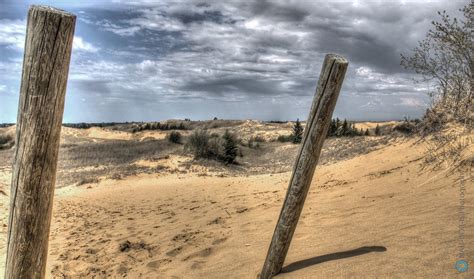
[406, 127]
[296, 135]
[180, 125]
[207, 146]
[285, 138]
[254, 142]
[83, 158]
[111, 158]
[198, 144]
[88, 180]
[6, 141]
[80, 125]
[448, 147]
[433, 121]
[4, 125]
[444, 58]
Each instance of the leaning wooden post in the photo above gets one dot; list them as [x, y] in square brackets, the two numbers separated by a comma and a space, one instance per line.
[330, 82]
[48, 45]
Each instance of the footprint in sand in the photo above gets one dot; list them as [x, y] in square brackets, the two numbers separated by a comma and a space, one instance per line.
[241, 209]
[176, 251]
[203, 253]
[217, 221]
[156, 264]
[186, 236]
[153, 264]
[197, 264]
[219, 241]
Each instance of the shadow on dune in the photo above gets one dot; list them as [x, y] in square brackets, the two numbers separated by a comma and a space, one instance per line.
[331, 257]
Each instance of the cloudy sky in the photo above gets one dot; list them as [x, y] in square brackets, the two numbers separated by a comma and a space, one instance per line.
[240, 59]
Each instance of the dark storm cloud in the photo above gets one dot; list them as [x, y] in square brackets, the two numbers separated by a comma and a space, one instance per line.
[268, 54]
[280, 11]
[231, 85]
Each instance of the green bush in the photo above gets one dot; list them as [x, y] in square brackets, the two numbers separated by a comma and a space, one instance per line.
[6, 141]
[254, 142]
[285, 138]
[174, 137]
[211, 146]
[406, 127]
[198, 144]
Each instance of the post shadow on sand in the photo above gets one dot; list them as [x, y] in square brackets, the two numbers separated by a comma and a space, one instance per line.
[331, 257]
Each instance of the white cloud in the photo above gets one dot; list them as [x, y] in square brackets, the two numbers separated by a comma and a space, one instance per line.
[10, 70]
[12, 33]
[412, 102]
[81, 45]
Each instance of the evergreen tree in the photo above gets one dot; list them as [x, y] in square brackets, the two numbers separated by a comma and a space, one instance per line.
[352, 129]
[332, 128]
[377, 130]
[297, 135]
[345, 128]
[230, 147]
[366, 132]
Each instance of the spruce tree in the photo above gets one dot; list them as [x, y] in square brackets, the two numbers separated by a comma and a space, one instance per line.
[297, 135]
[366, 132]
[377, 130]
[332, 128]
[230, 147]
[345, 128]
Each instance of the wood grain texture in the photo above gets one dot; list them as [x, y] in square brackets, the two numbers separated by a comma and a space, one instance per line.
[48, 46]
[327, 92]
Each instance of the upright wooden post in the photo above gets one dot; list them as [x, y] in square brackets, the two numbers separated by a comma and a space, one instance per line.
[329, 85]
[48, 45]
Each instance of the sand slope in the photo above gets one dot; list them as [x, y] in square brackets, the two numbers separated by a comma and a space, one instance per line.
[377, 215]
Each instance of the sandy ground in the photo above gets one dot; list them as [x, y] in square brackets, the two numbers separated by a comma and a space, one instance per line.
[376, 215]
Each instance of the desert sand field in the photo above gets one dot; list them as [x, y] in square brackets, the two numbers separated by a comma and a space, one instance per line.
[375, 210]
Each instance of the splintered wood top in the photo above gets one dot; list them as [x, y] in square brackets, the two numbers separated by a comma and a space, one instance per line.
[48, 9]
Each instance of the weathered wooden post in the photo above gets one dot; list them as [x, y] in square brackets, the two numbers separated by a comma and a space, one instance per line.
[330, 82]
[48, 45]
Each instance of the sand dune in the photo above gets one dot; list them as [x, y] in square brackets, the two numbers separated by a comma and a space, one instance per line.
[371, 125]
[375, 215]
